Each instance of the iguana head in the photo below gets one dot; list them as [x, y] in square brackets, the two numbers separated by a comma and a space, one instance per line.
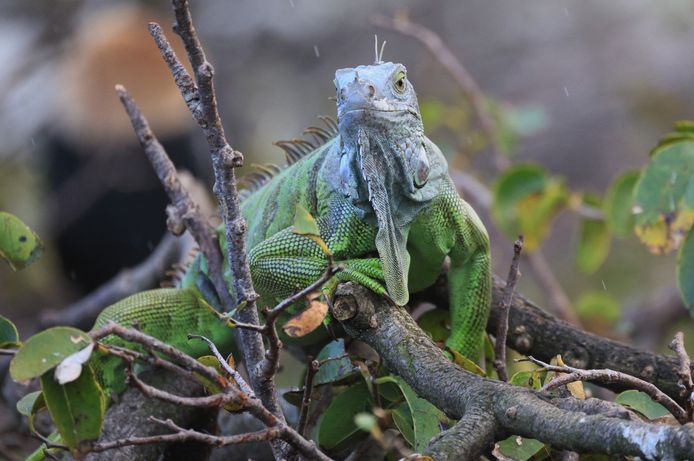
[386, 160]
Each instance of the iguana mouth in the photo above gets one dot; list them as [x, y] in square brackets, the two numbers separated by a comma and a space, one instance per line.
[371, 109]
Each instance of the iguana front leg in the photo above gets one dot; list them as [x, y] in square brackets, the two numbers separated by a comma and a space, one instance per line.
[469, 277]
[451, 227]
[287, 262]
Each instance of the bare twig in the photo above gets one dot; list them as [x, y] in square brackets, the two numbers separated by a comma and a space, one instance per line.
[229, 393]
[188, 435]
[271, 363]
[502, 327]
[311, 371]
[245, 388]
[684, 372]
[549, 283]
[8, 351]
[183, 212]
[200, 97]
[609, 376]
[477, 100]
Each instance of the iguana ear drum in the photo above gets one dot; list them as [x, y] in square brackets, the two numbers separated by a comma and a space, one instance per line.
[420, 167]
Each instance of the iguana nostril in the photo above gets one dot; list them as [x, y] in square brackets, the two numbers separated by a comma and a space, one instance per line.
[343, 94]
[372, 90]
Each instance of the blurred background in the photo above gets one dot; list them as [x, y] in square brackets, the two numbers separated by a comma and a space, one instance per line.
[585, 88]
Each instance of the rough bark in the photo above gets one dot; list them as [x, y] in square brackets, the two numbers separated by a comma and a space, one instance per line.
[129, 419]
[410, 353]
[532, 331]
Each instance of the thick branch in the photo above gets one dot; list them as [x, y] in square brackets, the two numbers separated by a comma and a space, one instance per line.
[409, 352]
[475, 432]
[532, 331]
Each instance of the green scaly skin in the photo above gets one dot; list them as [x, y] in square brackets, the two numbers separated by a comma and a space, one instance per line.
[383, 201]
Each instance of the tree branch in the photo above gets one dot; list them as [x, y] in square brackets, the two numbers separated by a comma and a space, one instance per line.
[571, 374]
[409, 352]
[201, 100]
[684, 372]
[502, 329]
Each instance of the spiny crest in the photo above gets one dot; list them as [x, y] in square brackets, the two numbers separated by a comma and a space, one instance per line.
[294, 150]
[173, 276]
[378, 57]
[254, 180]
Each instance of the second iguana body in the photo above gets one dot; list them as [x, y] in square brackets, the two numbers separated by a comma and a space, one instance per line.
[385, 207]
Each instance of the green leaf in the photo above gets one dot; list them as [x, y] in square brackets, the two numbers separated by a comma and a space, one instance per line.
[77, 408]
[593, 245]
[526, 201]
[685, 271]
[642, 403]
[530, 379]
[304, 224]
[664, 196]
[465, 363]
[334, 371]
[31, 404]
[402, 417]
[519, 448]
[426, 418]
[337, 429]
[46, 350]
[598, 307]
[27, 404]
[9, 337]
[619, 203]
[436, 323]
[19, 245]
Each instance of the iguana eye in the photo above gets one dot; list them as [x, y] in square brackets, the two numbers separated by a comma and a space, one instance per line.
[400, 82]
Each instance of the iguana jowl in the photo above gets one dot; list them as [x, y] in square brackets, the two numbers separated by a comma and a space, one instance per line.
[384, 204]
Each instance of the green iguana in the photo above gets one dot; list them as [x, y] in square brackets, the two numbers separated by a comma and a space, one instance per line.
[384, 204]
[385, 207]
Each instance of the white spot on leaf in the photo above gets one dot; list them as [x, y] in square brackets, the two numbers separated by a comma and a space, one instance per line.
[71, 367]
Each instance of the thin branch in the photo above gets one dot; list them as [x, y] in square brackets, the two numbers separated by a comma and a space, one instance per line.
[271, 363]
[188, 435]
[183, 212]
[311, 371]
[8, 351]
[544, 275]
[684, 372]
[502, 327]
[231, 394]
[609, 376]
[201, 101]
[245, 388]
